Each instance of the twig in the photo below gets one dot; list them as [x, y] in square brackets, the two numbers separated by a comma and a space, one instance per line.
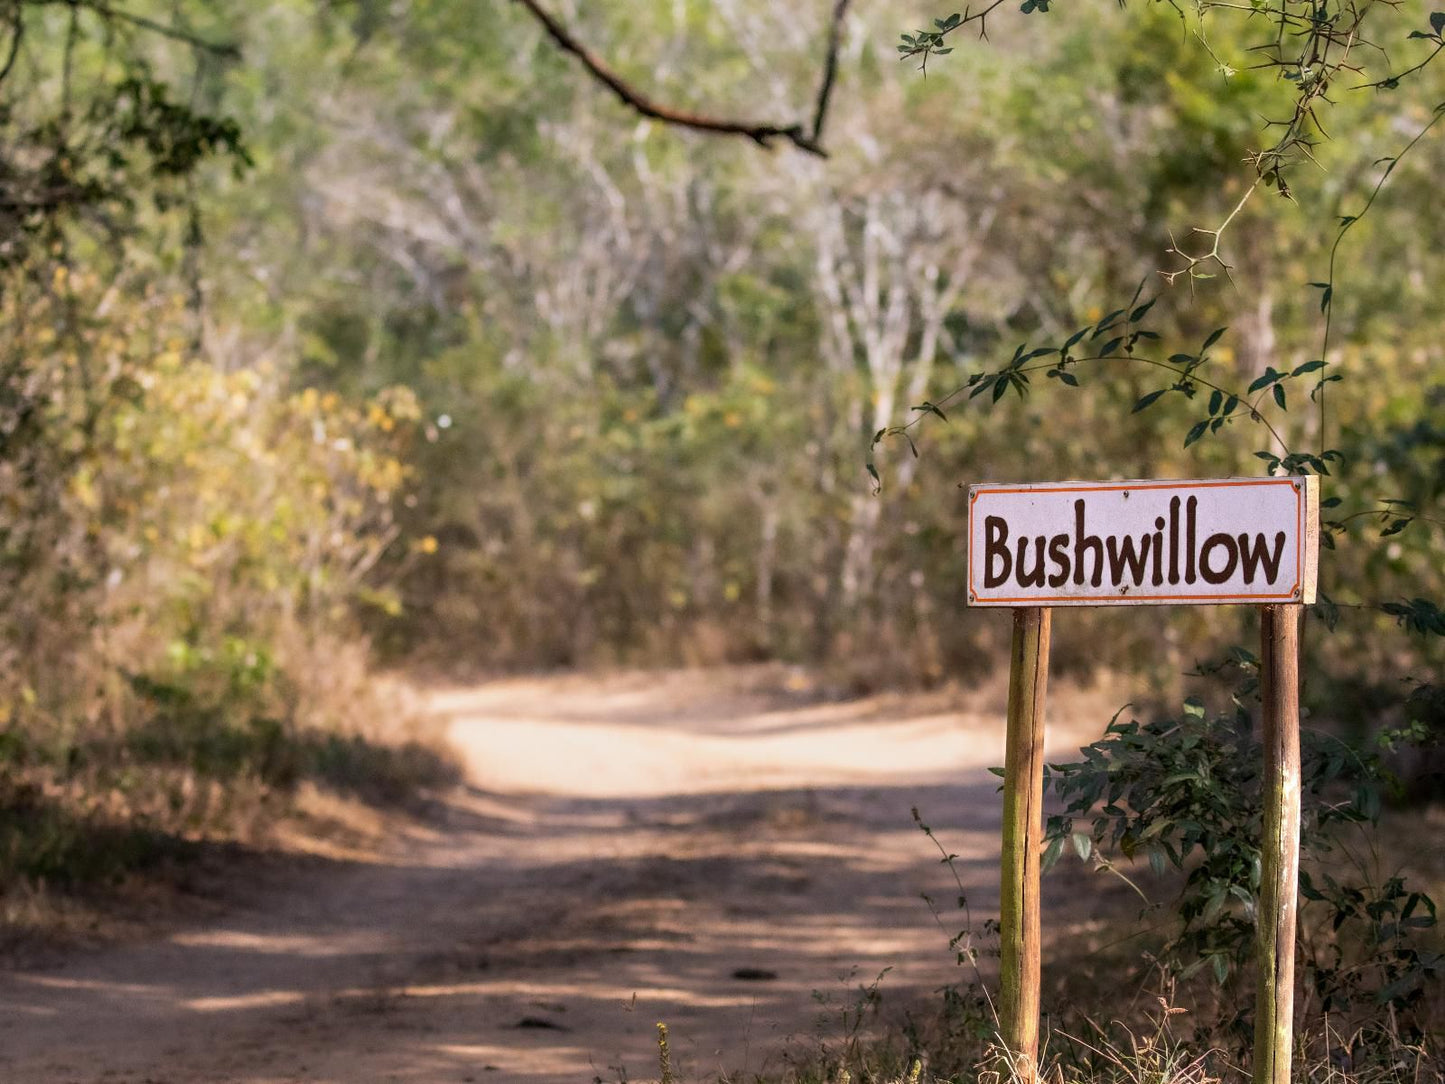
[1391, 81]
[17, 27]
[227, 49]
[760, 133]
[1346, 225]
[830, 69]
[1193, 261]
[1247, 411]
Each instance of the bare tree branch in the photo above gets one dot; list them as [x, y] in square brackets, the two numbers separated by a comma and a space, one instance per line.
[761, 133]
[226, 49]
[17, 34]
[830, 68]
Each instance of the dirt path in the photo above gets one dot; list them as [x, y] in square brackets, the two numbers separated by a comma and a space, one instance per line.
[628, 847]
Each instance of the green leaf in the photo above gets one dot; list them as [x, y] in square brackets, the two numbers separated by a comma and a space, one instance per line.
[877, 482]
[1270, 458]
[1147, 400]
[1213, 338]
[1052, 852]
[1215, 402]
[1307, 367]
[1105, 322]
[1221, 967]
[1269, 377]
[1196, 432]
[1217, 900]
[1138, 314]
[1279, 396]
[1083, 845]
[1437, 21]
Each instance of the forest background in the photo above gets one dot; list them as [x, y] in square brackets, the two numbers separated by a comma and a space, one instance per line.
[367, 335]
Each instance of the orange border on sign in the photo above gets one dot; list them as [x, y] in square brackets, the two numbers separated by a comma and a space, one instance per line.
[1124, 600]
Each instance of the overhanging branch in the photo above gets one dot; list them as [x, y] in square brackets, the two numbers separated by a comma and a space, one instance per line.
[226, 49]
[830, 68]
[805, 139]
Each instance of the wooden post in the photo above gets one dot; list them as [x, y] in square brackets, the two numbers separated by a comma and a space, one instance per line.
[1279, 858]
[1023, 826]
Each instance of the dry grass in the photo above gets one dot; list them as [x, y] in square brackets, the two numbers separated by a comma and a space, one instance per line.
[1117, 1054]
[94, 822]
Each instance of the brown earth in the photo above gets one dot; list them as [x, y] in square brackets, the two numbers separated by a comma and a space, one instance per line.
[723, 850]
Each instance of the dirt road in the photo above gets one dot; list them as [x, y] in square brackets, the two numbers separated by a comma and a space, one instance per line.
[719, 850]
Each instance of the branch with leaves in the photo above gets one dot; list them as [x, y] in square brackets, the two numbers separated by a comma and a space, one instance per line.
[1119, 334]
[926, 43]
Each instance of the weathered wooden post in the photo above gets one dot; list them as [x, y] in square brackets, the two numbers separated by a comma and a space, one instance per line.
[1279, 845]
[1020, 948]
[1203, 542]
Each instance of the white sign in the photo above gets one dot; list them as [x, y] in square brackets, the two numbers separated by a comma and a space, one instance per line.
[1151, 542]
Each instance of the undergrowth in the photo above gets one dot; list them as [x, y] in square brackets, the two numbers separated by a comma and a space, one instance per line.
[189, 763]
[1147, 1002]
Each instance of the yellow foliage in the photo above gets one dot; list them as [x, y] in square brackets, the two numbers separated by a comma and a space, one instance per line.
[168, 502]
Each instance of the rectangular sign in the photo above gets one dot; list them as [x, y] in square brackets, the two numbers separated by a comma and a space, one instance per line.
[1205, 542]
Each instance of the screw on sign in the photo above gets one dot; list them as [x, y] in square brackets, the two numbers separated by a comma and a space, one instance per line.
[1223, 541]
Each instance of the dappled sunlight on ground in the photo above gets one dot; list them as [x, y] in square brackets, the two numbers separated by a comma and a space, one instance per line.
[717, 851]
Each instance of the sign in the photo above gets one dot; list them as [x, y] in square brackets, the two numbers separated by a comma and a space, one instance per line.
[1224, 540]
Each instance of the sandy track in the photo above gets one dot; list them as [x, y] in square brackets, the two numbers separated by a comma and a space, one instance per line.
[625, 847]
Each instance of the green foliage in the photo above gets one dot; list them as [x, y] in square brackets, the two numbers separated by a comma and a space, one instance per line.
[91, 129]
[1184, 792]
[179, 543]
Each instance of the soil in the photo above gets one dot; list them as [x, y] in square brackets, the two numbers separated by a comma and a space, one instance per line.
[729, 851]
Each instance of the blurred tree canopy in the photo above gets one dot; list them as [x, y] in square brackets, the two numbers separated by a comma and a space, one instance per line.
[393, 317]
